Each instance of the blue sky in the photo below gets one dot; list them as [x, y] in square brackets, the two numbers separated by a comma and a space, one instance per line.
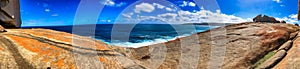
[62, 12]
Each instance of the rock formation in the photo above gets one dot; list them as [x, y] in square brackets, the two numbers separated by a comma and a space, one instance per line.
[242, 46]
[10, 14]
[265, 18]
[282, 22]
[291, 60]
[2, 29]
[298, 10]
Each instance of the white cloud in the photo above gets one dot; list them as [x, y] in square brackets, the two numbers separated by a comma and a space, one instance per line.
[218, 11]
[54, 15]
[109, 3]
[169, 9]
[290, 19]
[277, 1]
[281, 5]
[186, 3]
[202, 8]
[294, 16]
[120, 4]
[168, 17]
[105, 21]
[30, 22]
[159, 6]
[145, 7]
[47, 10]
[112, 3]
[192, 4]
[192, 17]
[208, 16]
[128, 16]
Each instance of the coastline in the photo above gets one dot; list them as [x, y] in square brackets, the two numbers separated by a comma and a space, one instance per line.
[245, 44]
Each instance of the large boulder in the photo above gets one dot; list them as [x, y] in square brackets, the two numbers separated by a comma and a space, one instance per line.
[291, 60]
[265, 18]
[10, 13]
[237, 46]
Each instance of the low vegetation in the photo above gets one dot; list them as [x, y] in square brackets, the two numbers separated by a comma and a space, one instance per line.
[265, 58]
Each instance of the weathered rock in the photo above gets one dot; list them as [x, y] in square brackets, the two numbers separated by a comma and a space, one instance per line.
[297, 36]
[282, 22]
[265, 18]
[286, 46]
[2, 29]
[244, 45]
[293, 35]
[41, 48]
[10, 13]
[291, 60]
[238, 47]
[273, 60]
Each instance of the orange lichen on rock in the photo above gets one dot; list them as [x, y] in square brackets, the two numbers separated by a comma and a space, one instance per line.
[1, 48]
[46, 60]
[60, 63]
[71, 66]
[102, 59]
[43, 50]
[110, 63]
[52, 35]
[93, 45]
[66, 37]
[36, 46]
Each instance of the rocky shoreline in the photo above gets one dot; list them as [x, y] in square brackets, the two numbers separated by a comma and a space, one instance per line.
[262, 44]
[244, 45]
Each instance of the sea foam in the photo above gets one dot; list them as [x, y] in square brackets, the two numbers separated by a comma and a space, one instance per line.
[147, 42]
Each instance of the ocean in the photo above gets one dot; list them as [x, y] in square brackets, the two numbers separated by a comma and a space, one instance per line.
[140, 35]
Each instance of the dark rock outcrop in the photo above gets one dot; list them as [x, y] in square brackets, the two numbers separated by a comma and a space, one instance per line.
[239, 47]
[10, 13]
[265, 18]
[298, 10]
[282, 22]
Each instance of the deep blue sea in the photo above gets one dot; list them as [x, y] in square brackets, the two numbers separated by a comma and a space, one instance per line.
[140, 35]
